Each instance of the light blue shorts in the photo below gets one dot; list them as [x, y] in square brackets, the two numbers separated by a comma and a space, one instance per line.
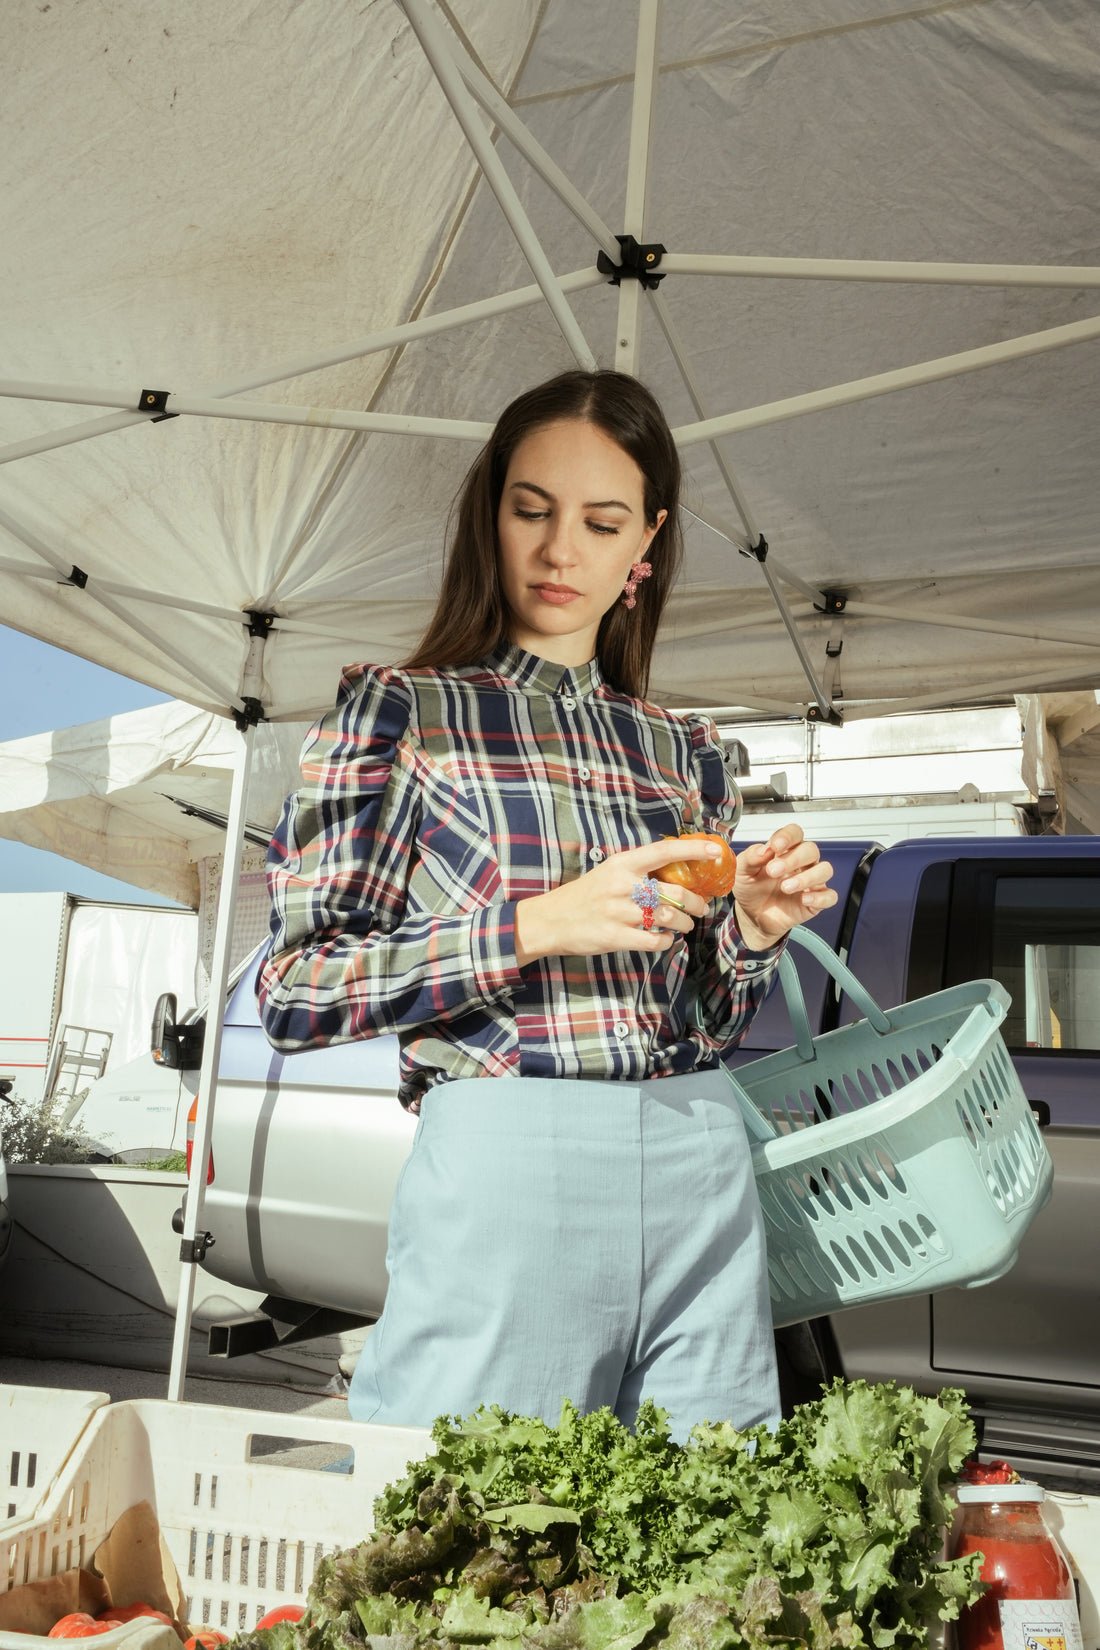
[597, 1241]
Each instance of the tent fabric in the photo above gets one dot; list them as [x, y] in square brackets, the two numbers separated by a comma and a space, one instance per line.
[1062, 758]
[194, 195]
[110, 794]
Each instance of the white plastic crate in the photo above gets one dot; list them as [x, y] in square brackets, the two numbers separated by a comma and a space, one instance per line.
[38, 1428]
[245, 1529]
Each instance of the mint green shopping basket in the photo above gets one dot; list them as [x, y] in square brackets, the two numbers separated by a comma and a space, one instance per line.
[894, 1156]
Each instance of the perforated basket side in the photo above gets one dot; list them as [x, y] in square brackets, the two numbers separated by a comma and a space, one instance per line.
[245, 1530]
[856, 1067]
[931, 1187]
[39, 1427]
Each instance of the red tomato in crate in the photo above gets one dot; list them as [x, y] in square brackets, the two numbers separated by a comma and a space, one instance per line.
[207, 1638]
[282, 1612]
[116, 1614]
[80, 1625]
[705, 877]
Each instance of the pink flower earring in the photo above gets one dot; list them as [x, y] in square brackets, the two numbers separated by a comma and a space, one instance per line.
[641, 570]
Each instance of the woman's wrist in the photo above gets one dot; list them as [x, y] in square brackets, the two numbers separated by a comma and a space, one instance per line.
[755, 938]
[530, 937]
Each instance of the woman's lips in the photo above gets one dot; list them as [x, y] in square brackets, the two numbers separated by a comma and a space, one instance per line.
[558, 595]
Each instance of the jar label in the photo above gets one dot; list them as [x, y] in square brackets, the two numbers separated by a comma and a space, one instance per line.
[1040, 1624]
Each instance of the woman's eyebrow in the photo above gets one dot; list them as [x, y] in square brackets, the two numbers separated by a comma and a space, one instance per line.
[594, 504]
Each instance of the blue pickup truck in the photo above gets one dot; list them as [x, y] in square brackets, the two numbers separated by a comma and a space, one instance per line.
[306, 1148]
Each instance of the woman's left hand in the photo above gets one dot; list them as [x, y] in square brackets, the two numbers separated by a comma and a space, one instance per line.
[780, 883]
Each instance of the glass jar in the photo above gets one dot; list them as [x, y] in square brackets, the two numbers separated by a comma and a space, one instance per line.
[1031, 1603]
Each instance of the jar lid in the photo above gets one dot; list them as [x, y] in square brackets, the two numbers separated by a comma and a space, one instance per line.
[968, 1494]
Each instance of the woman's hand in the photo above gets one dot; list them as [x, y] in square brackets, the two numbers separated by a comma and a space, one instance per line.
[780, 883]
[596, 913]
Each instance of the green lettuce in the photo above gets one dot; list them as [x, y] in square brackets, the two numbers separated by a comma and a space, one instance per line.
[825, 1534]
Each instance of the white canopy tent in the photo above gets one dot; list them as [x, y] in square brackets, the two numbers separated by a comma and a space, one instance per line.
[1061, 757]
[333, 242]
[143, 796]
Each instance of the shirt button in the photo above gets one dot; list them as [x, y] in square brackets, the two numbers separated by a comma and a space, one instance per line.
[750, 966]
[585, 773]
[595, 855]
[622, 1030]
[569, 704]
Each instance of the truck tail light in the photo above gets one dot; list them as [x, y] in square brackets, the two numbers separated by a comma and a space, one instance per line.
[191, 1116]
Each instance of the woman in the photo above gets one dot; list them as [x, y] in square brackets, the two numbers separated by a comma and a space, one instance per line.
[470, 862]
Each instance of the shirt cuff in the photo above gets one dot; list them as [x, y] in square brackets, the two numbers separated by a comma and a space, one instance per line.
[493, 950]
[742, 958]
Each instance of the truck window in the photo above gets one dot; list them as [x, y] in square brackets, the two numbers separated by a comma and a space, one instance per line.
[1046, 953]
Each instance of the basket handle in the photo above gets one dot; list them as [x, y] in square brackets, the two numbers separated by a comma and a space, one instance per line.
[792, 991]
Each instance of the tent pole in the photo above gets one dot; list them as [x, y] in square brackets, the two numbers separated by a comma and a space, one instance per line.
[679, 355]
[824, 703]
[435, 48]
[89, 587]
[263, 412]
[642, 109]
[211, 1050]
[741, 505]
[500, 111]
[903, 378]
[961, 621]
[578, 280]
[779, 568]
[869, 269]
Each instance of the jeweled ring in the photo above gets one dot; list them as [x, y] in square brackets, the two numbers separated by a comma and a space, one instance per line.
[647, 896]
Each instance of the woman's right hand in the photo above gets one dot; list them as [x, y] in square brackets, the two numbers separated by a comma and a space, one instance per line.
[596, 912]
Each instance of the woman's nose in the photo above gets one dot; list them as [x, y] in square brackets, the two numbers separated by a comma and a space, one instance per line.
[559, 544]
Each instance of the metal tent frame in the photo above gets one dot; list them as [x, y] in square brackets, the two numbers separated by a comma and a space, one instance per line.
[636, 266]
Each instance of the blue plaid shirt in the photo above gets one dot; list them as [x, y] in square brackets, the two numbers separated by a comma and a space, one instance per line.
[431, 801]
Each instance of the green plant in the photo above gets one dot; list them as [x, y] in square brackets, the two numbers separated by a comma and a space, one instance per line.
[35, 1133]
[174, 1163]
[825, 1534]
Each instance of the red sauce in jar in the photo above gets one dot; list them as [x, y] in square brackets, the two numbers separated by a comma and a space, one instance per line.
[1021, 1561]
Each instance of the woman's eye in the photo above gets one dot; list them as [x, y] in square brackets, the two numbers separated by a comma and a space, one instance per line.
[532, 515]
[602, 527]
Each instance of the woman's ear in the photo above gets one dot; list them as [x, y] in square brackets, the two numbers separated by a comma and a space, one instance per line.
[651, 532]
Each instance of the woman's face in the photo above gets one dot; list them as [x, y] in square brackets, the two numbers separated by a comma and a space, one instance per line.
[570, 525]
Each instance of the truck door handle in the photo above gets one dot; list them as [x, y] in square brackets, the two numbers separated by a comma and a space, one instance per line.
[1041, 1112]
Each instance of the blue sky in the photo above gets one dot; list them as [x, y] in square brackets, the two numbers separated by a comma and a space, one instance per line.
[42, 688]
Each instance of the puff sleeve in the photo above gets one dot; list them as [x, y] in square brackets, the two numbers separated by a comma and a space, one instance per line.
[348, 958]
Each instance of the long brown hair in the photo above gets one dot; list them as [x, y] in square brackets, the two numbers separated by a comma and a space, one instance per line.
[471, 617]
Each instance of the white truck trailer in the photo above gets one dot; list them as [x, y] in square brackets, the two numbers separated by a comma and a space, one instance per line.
[78, 982]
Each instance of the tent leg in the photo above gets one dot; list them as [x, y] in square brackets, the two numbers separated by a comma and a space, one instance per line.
[628, 319]
[208, 1076]
[434, 45]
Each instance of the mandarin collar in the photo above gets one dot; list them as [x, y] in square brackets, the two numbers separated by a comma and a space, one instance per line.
[535, 675]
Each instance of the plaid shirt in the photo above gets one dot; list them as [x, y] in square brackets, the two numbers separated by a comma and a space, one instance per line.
[431, 801]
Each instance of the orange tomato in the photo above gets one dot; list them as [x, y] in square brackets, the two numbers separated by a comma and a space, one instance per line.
[705, 877]
[207, 1638]
[79, 1625]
